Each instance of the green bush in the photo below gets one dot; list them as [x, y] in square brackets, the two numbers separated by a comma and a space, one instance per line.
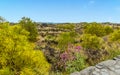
[108, 30]
[77, 65]
[92, 47]
[91, 42]
[115, 36]
[97, 29]
[30, 26]
[66, 38]
[66, 26]
[6, 71]
[94, 29]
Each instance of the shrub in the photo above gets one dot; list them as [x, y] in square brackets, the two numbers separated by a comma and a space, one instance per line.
[91, 42]
[97, 29]
[66, 26]
[115, 36]
[108, 30]
[76, 65]
[36, 63]
[113, 49]
[70, 59]
[17, 55]
[94, 29]
[92, 46]
[30, 26]
[6, 71]
[27, 71]
[66, 38]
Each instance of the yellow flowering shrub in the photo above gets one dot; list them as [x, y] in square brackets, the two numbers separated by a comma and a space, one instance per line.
[17, 54]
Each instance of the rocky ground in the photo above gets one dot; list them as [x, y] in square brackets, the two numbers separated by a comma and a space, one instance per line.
[109, 67]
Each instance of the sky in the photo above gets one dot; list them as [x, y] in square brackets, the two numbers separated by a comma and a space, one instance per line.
[60, 11]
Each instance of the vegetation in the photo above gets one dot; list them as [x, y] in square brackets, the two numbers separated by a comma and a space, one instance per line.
[17, 54]
[30, 26]
[97, 29]
[61, 50]
[91, 42]
[66, 38]
[115, 36]
[68, 26]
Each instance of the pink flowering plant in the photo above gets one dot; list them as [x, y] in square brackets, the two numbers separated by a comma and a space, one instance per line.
[71, 59]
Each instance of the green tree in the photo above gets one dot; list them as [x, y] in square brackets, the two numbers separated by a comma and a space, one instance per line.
[30, 26]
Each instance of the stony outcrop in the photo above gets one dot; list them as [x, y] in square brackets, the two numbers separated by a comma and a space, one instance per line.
[109, 67]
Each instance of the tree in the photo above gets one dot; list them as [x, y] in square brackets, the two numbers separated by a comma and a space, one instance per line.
[30, 26]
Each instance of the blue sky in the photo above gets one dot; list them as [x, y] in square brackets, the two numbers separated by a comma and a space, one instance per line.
[61, 10]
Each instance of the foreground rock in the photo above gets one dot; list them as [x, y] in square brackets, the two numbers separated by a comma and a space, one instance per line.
[109, 67]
